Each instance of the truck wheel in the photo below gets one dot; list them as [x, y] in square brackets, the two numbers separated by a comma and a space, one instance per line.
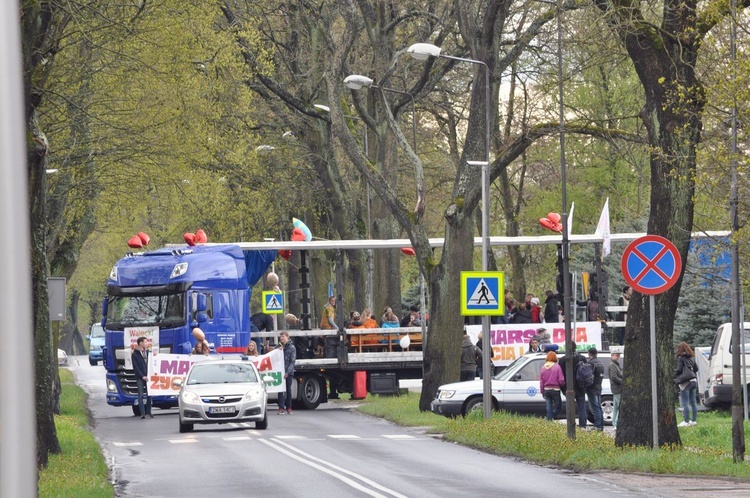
[311, 392]
[136, 410]
[185, 427]
[475, 404]
[262, 424]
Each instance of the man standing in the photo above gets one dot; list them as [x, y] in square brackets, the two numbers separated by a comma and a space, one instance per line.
[470, 354]
[580, 391]
[140, 367]
[551, 308]
[615, 381]
[290, 356]
[327, 321]
[594, 391]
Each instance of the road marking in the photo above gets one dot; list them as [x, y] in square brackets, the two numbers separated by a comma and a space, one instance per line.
[237, 438]
[291, 437]
[343, 436]
[181, 441]
[334, 471]
[399, 436]
[127, 444]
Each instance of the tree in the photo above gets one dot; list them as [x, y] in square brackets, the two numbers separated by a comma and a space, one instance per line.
[664, 57]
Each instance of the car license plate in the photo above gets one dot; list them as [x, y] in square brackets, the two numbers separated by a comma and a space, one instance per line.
[222, 409]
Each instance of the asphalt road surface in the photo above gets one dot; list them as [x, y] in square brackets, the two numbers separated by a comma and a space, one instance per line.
[329, 452]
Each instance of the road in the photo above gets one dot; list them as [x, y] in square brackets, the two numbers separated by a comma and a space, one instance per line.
[332, 451]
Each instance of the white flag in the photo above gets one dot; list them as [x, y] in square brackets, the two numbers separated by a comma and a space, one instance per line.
[570, 218]
[602, 229]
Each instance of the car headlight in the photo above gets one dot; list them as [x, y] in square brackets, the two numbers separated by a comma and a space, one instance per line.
[190, 397]
[446, 394]
[253, 394]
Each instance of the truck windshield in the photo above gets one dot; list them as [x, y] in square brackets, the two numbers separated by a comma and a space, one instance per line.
[163, 310]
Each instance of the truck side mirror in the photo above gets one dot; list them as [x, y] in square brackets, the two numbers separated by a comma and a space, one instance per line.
[202, 317]
[105, 306]
[201, 303]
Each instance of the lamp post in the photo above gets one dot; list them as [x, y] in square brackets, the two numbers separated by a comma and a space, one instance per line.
[423, 51]
[357, 82]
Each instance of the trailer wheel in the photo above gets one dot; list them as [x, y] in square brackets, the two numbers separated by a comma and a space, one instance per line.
[311, 392]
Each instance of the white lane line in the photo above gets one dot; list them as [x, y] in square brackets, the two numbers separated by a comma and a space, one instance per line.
[181, 441]
[336, 473]
[291, 436]
[343, 436]
[238, 438]
[128, 444]
[398, 436]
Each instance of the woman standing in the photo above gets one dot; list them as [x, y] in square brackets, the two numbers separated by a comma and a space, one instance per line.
[551, 383]
[685, 376]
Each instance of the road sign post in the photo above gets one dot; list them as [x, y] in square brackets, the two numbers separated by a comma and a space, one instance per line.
[651, 265]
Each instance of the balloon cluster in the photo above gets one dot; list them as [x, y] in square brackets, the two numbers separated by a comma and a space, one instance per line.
[199, 237]
[552, 222]
[300, 233]
[138, 241]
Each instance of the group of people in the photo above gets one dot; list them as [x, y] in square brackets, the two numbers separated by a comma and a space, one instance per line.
[530, 310]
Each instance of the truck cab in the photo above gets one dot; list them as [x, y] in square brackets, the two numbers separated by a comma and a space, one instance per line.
[716, 389]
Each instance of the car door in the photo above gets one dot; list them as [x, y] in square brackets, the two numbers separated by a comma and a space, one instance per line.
[521, 393]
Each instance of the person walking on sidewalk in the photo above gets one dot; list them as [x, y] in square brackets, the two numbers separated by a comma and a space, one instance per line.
[290, 356]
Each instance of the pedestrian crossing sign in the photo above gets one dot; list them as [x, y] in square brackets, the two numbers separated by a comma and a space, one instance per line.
[482, 293]
[273, 302]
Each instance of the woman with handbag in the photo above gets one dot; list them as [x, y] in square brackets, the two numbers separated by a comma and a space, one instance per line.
[685, 377]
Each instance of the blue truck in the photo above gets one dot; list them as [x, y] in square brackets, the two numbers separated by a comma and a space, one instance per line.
[170, 291]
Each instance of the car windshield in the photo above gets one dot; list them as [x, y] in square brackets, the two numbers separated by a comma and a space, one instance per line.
[505, 373]
[163, 310]
[97, 331]
[231, 373]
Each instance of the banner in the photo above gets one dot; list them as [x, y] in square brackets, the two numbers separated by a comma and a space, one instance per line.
[511, 341]
[130, 338]
[164, 369]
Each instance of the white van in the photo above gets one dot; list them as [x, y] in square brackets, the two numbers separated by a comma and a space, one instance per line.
[716, 383]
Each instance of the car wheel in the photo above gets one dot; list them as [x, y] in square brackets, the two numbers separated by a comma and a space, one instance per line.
[93, 363]
[311, 393]
[185, 427]
[475, 404]
[608, 409]
[262, 424]
[136, 410]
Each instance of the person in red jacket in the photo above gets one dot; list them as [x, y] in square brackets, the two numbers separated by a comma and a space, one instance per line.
[536, 310]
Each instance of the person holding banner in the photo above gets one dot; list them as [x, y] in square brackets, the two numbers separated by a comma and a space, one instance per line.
[140, 367]
[290, 356]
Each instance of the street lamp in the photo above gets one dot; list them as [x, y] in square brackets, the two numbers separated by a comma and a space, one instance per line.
[423, 51]
[357, 82]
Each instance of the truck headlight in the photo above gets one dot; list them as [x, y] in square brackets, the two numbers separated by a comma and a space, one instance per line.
[111, 386]
[446, 394]
[252, 395]
[190, 397]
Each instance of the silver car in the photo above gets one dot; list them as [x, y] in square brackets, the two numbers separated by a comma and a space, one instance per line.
[222, 391]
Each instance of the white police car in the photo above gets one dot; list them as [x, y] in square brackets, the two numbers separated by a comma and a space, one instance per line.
[514, 389]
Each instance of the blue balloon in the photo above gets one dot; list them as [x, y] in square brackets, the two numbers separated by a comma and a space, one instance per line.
[301, 225]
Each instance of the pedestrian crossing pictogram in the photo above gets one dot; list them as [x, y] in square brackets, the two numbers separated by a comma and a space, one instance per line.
[482, 293]
[273, 302]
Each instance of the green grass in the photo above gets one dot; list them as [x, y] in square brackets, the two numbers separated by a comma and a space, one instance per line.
[706, 450]
[80, 470]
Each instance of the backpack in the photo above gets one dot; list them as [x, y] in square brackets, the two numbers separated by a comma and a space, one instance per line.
[584, 375]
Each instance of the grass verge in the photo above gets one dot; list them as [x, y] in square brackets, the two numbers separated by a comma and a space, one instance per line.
[706, 450]
[80, 470]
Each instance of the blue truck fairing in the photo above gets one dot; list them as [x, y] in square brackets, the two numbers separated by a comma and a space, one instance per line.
[160, 290]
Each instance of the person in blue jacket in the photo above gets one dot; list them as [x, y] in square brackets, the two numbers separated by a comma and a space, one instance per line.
[140, 367]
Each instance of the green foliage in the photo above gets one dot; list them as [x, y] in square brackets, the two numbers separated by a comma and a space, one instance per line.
[706, 447]
[80, 470]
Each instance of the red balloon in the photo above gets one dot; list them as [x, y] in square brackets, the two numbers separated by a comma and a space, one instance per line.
[201, 237]
[409, 251]
[189, 238]
[135, 242]
[286, 254]
[298, 235]
[550, 225]
[145, 239]
[554, 217]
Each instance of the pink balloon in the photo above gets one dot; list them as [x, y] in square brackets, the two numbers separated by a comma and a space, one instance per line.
[189, 238]
[135, 242]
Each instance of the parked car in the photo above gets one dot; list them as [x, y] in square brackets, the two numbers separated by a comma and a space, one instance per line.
[514, 389]
[96, 343]
[715, 378]
[222, 391]
[62, 357]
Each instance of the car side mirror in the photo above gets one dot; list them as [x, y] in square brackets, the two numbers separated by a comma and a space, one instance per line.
[268, 379]
[518, 376]
[177, 383]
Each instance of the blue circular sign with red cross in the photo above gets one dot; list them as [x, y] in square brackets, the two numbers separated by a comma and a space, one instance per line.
[651, 264]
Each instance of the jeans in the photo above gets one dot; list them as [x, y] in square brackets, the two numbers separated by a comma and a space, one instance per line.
[595, 405]
[689, 399]
[616, 409]
[581, 404]
[285, 397]
[467, 375]
[142, 392]
[554, 403]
